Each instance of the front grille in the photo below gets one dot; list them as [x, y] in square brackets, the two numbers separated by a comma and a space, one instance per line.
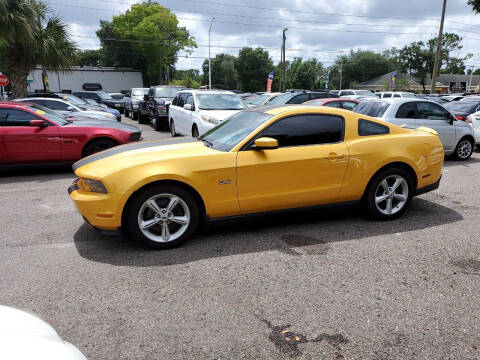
[135, 136]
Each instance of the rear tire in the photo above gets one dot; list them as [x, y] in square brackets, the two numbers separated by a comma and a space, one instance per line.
[464, 149]
[98, 145]
[389, 194]
[154, 221]
[172, 129]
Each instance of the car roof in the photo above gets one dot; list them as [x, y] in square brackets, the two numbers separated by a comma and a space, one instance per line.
[201, 91]
[15, 104]
[40, 98]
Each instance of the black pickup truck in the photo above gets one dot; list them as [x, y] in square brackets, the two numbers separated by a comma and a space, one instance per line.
[154, 106]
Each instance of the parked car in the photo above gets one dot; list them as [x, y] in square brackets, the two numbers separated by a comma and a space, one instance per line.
[457, 136]
[132, 101]
[461, 109]
[298, 97]
[275, 158]
[347, 104]
[351, 92]
[102, 98]
[435, 99]
[32, 134]
[24, 336]
[474, 121]
[86, 104]
[395, 94]
[155, 105]
[117, 96]
[194, 112]
[67, 109]
[334, 92]
[453, 97]
[261, 99]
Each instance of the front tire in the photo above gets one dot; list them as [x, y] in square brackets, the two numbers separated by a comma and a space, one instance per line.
[157, 125]
[127, 113]
[194, 131]
[98, 145]
[173, 132]
[389, 194]
[464, 149]
[163, 216]
[141, 118]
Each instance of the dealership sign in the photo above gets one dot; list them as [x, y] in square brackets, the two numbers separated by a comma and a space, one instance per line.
[3, 80]
[458, 86]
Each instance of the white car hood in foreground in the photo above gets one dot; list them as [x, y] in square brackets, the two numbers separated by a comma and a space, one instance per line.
[218, 114]
[24, 336]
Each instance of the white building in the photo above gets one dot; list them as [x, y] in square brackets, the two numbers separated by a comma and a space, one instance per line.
[111, 79]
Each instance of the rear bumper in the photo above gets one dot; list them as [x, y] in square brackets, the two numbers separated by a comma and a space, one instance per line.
[428, 188]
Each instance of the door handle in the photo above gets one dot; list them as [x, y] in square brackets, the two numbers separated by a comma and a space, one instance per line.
[335, 156]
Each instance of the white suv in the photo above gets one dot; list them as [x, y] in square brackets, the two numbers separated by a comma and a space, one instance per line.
[194, 112]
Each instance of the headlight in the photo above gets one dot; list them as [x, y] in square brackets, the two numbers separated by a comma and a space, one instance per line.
[135, 101]
[209, 119]
[94, 186]
[162, 109]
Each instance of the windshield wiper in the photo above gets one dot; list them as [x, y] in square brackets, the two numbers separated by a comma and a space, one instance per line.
[207, 143]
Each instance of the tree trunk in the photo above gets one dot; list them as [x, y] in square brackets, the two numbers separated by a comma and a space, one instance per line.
[18, 81]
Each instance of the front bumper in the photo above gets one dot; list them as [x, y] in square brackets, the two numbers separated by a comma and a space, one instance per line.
[428, 188]
[101, 211]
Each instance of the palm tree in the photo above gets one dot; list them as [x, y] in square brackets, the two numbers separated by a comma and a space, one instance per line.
[29, 37]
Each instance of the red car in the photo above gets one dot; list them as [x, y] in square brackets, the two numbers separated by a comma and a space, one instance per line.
[32, 134]
[347, 104]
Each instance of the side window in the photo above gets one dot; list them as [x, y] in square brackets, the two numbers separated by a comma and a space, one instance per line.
[347, 93]
[306, 130]
[431, 111]
[407, 111]
[396, 95]
[191, 100]
[181, 99]
[175, 100]
[349, 105]
[150, 93]
[366, 128]
[55, 105]
[14, 117]
[318, 96]
[387, 95]
[335, 104]
[299, 99]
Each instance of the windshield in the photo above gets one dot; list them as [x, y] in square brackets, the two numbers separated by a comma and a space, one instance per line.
[373, 108]
[463, 106]
[259, 100]
[139, 92]
[409, 95]
[49, 114]
[166, 92]
[229, 133]
[281, 99]
[364, 93]
[220, 102]
[72, 99]
[104, 96]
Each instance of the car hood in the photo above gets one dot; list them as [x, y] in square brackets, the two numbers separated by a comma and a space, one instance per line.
[218, 114]
[24, 336]
[128, 156]
[89, 122]
[90, 115]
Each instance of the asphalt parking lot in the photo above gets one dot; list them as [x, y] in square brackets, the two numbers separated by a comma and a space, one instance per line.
[327, 284]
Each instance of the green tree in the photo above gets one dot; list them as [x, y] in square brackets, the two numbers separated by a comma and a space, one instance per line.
[190, 78]
[146, 37]
[475, 4]
[306, 75]
[224, 73]
[253, 66]
[88, 58]
[30, 35]
[359, 66]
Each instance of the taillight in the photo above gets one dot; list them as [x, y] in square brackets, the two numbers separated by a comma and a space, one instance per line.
[468, 120]
[459, 117]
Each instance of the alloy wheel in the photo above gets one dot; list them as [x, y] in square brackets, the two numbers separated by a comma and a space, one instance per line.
[391, 195]
[163, 218]
[464, 149]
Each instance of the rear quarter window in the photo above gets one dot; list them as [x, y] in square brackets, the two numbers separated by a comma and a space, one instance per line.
[373, 108]
[368, 128]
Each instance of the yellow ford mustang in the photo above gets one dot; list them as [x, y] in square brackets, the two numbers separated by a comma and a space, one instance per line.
[260, 160]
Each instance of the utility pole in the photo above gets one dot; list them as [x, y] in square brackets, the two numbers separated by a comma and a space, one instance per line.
[439, 49]
[341, 70]
[281, 65]
[284, 60]
[209, 61]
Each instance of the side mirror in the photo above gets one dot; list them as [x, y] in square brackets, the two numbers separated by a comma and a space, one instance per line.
[37, 123]
[145, 97]
[265, 143]
[70, 108]
[188, 107]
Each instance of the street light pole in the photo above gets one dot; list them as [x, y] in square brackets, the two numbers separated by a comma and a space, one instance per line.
[439, 49]
[284, 60]
[209, 61]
